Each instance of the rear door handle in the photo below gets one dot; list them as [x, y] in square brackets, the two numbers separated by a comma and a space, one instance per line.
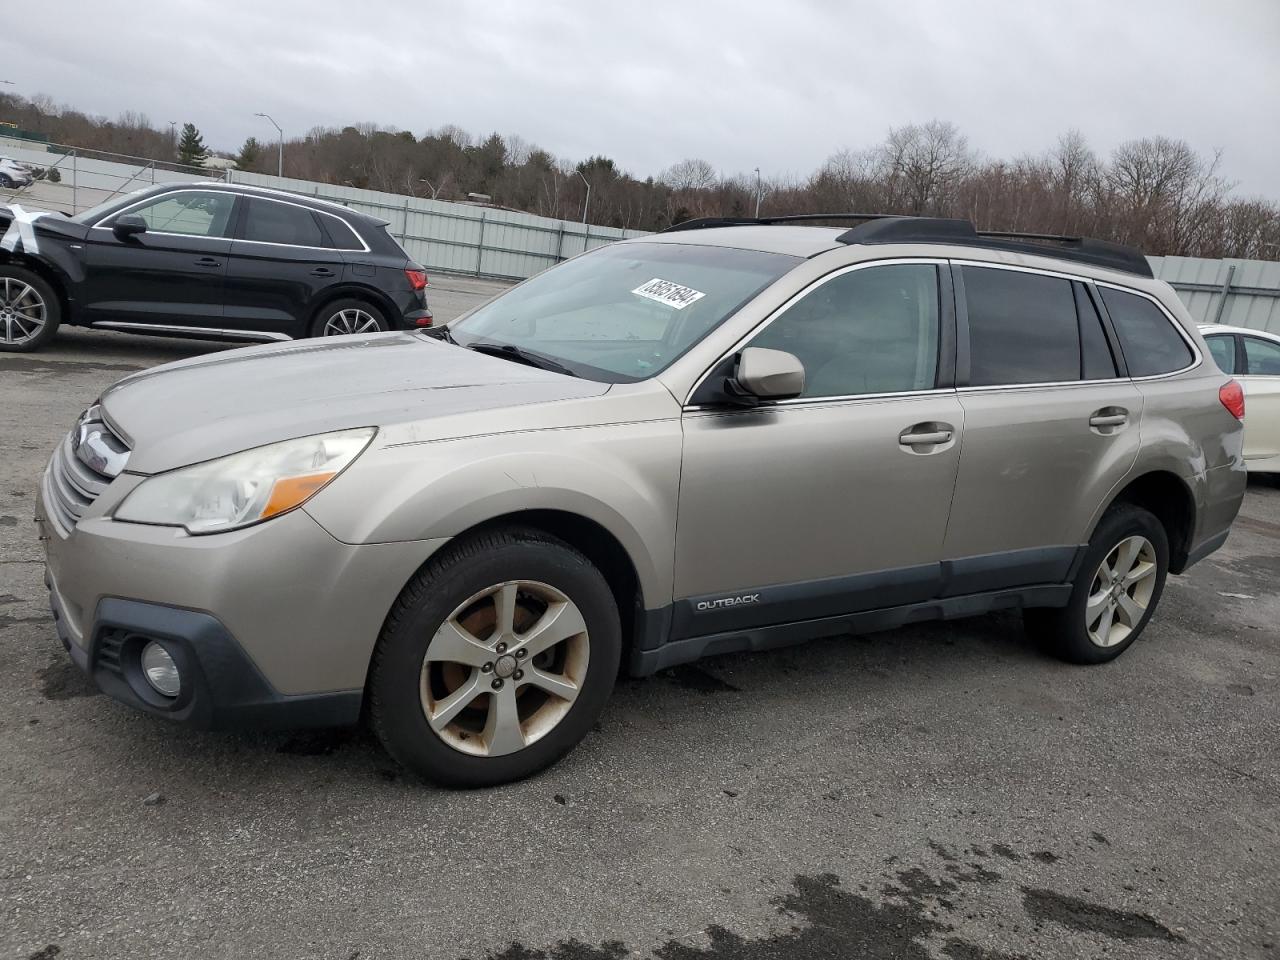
[208, 262]
[322, 272]
[1109, 419]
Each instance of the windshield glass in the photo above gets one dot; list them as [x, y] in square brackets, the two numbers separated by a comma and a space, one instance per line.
[94, 214]
[626, 311]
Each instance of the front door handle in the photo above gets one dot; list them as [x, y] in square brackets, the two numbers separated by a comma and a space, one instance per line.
[924, 437]
[322, 272]
[208, 262]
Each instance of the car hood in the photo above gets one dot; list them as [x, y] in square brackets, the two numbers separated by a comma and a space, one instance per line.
[211, 406]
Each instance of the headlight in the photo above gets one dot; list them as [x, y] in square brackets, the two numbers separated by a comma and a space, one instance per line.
[244, 488]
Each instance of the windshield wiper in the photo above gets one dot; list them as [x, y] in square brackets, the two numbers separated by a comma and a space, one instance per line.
[510, 351]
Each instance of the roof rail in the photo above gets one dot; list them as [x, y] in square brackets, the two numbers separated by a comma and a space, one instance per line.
[701, 223]
[891, 228]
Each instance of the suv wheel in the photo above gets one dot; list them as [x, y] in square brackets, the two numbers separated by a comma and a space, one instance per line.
[29, 310]
[495, 660]
[344, 317]
[1115, 593]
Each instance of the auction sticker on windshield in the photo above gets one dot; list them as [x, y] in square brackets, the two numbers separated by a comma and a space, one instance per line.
[672, 294]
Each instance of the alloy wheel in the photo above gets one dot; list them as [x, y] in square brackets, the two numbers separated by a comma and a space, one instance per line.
[1121, 591]
[504, 668]
[351, 320]
[22, 311]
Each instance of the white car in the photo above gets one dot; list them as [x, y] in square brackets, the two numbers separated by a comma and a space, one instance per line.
[14, 174]
[1253, 358]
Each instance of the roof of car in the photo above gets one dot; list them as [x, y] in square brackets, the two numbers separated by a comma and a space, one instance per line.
[874, 229]
[1208, 328]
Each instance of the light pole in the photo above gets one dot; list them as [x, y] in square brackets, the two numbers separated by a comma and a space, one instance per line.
[280, 165]
[757, 193]
[587, 202]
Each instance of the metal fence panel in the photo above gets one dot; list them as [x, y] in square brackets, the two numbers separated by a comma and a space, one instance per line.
[460, 237]
[1243, 293]
[464, 238]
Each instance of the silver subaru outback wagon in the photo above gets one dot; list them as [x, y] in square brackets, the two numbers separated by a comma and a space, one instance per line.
[727, 437]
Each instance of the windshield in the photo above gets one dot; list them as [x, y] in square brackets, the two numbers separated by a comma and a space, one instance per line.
[94, 214]
[626, 311]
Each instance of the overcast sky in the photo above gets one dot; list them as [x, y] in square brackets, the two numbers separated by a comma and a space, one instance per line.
[778, 85]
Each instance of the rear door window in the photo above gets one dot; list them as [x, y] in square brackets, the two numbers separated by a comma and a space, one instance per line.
[1263, 357]
[1151, 344]
[1223, 349]
[283, 223]
[1022, 328]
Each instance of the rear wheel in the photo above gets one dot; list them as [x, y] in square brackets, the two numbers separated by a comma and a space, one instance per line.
[343, 317]
[1116, 591]
[29, 310]
[495, 661]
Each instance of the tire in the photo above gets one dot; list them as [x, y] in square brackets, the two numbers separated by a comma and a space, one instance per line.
[30, 310]
[5, 181]
[1113, 624]
[449, 610]
[347, 316]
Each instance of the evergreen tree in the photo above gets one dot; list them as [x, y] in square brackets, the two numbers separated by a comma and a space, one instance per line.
[191, 148]
[249, 153]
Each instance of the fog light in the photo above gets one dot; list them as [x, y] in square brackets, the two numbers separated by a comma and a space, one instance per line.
[160, 670]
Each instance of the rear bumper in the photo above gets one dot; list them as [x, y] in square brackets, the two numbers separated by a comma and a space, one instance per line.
[1220, 497]
[221, 689]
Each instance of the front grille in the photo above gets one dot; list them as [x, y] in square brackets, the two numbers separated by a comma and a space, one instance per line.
[86, 461]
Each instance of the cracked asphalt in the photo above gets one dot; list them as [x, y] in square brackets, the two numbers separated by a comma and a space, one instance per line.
[940, 791]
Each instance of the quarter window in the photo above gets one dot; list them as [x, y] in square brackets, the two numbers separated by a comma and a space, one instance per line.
[1223, 350]
[269, 222]
[343, 236]
[1022, 328]
[189, 213]
[873, 330]
[1263, 357]
[1151, 345]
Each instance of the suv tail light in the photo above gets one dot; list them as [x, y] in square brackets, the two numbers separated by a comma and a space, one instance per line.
[417, 277]
[1232, 396]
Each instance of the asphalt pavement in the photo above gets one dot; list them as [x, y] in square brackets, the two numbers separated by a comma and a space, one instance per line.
[939, 791]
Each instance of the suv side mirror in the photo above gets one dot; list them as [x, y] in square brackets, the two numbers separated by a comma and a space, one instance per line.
[766, 375]
[129, 225]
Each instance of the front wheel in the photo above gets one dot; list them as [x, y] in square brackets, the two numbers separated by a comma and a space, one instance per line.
[343, 317]
[1116, 591]
[495, 660]
[29, 310]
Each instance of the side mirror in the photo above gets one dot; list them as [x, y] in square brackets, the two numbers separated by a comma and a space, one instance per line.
[129, 225]
[766, 375]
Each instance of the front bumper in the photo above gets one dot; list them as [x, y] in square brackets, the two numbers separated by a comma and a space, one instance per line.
[221, 688]
[274, 624]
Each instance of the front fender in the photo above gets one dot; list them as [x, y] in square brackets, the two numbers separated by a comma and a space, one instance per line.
[625, 477]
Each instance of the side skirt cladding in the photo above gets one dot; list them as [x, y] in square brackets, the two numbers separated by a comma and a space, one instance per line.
[767, 617]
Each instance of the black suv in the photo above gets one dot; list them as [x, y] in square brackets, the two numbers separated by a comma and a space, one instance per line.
[208, 260]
